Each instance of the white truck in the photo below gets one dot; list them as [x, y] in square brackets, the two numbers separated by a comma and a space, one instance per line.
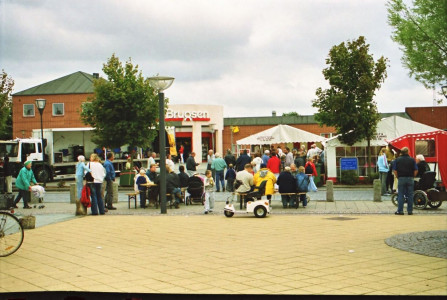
[53, 165]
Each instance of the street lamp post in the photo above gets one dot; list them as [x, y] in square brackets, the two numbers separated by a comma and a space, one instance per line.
[40, 103]
[161, 83]
[444, 90]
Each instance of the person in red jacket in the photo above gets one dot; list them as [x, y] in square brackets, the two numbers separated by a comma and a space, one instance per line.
[311, 171]
[274, 164]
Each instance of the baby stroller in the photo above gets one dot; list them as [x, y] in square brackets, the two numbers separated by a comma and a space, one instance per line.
[195, 190]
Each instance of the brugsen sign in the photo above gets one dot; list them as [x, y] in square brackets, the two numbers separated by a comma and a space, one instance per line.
[172, 115]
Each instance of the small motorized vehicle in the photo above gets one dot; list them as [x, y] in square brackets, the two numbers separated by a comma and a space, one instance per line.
[260, 208]
[254, 204]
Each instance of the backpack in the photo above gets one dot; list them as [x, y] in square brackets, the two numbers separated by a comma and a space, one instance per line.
[303, 184]
[308, 169]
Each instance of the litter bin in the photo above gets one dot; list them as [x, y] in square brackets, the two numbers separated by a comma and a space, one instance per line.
[126, 178]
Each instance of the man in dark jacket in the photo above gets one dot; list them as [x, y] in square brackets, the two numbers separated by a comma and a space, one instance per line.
[191, 165]
[405, 169]
[183, 176]
[242, 161]
[230, 159]
[287, 184]
[154, 177]
[173, 186]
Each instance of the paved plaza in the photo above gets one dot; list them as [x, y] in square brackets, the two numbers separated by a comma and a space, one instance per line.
[353, 246]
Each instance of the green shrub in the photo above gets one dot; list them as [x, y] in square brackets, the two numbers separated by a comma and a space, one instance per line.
[349, 177]
[371, 177]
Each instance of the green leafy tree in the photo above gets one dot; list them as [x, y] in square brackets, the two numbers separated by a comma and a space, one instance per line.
[292, 113]
[123, 109]
[348, 104]
[422, 33]
[6, 86]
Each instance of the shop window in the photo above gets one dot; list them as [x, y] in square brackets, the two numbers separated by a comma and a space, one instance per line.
[425, 147]
[58, 109]
[28, 110]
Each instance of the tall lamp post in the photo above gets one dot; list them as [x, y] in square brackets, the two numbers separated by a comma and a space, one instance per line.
[161, 83]
[444, 90]
[40, 103]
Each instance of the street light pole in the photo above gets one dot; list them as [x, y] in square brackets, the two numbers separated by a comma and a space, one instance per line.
[160, 83]
[40, 103]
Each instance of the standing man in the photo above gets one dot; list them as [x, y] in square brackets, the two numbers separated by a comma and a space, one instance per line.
[405, 169]
[210, 158]
[289, 157]
[219, 166]
[191, 165]
[151, 160]
[242, 160]
[110, 178]
[229, 158]
[23, 180]
[266, 157]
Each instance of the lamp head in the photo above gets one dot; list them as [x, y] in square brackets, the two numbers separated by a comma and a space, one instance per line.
[40, 103]
[444, 90]
[160, 83]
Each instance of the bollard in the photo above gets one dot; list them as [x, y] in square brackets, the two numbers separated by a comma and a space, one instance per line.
[73, 193]
[329, 191]
[115, 192]
[377, 185]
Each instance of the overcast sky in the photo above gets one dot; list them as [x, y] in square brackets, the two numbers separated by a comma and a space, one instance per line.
[252, 57]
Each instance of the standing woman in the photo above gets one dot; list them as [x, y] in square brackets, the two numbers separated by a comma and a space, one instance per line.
[81, 169]
[98, 173]
[181, 150]
[382, 163]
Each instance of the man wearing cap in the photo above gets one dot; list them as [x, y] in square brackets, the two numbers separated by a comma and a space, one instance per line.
[25, 177]
[313, 151]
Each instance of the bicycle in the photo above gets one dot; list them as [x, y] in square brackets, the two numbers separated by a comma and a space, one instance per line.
[11, 233]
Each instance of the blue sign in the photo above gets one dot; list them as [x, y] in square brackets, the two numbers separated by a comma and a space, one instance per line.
[348, 163]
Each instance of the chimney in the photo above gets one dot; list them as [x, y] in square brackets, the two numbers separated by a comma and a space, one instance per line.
[274, 113]
[95, 75]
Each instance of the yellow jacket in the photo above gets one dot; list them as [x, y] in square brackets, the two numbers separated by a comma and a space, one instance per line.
[265, 174]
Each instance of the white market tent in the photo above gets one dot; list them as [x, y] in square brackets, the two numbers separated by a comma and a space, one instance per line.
[280, 134]
[387, 129]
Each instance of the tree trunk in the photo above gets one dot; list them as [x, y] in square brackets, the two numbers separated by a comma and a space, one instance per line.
[369, 168]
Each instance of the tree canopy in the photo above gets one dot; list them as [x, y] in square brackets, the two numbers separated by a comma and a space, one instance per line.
[348, 104]
[124, 108]
[6, 86]
[422, 33]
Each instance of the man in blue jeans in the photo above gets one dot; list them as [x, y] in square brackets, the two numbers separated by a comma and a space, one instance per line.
[405, 169]
[218, 165]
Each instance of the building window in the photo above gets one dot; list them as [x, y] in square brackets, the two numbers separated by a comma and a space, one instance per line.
[28, 110]
[425, 147]
[58, 109]
[326, 135]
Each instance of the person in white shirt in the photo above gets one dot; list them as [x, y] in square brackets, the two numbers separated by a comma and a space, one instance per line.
[99, 173]
[151, 160]
[313, 151]
[169, 162]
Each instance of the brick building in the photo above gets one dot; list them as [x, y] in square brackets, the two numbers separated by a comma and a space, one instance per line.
[435, 116]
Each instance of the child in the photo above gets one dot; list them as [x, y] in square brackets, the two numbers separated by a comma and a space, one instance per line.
[230, 176]
[142, 178]
[209, 191]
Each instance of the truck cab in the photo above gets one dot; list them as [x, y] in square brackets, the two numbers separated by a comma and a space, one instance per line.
[21, 150]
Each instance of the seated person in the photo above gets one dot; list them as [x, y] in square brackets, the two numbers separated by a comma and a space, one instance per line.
[142, 179]
[302, 180]
[155, 178]
[422, 165]
[183, 177]
[287, 184]
[262, 175]
[173, 186]
[246, 178]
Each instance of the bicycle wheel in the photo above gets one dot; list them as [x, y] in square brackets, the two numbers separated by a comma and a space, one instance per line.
[11, 234]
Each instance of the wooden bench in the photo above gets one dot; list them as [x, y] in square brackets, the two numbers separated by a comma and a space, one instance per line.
[132, 196]
[297, 199]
